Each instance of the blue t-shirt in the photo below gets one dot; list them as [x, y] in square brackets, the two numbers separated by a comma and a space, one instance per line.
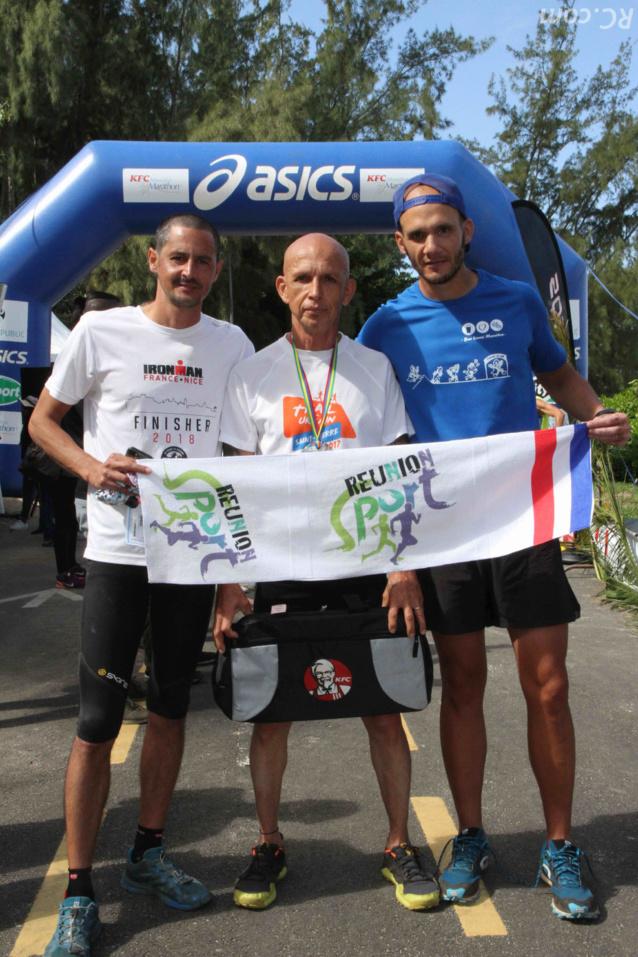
[465, 366]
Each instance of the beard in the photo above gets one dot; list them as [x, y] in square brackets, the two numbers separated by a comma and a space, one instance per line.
[184, 300]
[451, 272]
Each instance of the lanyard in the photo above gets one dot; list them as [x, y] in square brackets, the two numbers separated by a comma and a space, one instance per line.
[307, 397]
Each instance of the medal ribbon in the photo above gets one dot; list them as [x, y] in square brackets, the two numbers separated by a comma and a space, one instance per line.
[307, 397]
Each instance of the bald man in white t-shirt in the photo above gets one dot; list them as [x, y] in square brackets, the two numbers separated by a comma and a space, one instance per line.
[265, 413]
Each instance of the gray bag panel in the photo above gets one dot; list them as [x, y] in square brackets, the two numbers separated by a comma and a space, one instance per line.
[401, 675]
[255, 672]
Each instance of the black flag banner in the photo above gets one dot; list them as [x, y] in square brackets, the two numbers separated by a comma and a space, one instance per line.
[545, 260]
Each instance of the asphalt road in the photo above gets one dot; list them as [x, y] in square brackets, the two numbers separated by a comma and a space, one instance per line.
[334, 902]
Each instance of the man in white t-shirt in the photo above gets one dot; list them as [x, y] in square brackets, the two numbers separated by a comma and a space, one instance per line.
[315, 389]
[153, 380]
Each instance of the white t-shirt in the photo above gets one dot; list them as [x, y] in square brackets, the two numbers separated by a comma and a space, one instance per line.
[264, 411]
[146, 386]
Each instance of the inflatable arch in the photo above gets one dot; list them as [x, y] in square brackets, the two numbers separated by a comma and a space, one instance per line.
[112, 190]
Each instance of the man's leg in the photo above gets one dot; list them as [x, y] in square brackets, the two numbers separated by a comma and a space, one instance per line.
[179, 618]
[415, 886]
[463, 665]
[268, 760]
[541, 658]
[159, 767]
[255, 887]
[109, 644]
[391, 761]
[86, 789]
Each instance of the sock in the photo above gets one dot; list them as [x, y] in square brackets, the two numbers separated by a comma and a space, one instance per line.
[559, 844]
[145, 839]
[80, 884]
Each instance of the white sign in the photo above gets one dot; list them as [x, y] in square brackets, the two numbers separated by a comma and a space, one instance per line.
[14, 318]
[363, 511]
[10, 427]
[379, 185]
[155, 186]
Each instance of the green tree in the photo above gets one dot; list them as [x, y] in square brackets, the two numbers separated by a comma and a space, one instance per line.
[217, 70]
[570, 144]
[344, 83]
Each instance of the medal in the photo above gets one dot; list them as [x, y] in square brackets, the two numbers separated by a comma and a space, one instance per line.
[315, 444]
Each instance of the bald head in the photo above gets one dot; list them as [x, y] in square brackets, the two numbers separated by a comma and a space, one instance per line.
[315, 284]
[317, 246]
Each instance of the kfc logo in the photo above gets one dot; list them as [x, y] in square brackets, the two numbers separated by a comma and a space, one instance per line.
[379, 185]
[155, 185]
[328, 679]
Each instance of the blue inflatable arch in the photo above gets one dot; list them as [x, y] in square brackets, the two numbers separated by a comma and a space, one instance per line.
[113, 190]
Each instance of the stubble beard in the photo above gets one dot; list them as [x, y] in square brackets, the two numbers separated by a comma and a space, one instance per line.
[455, 267]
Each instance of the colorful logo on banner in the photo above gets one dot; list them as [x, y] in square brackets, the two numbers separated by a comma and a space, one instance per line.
[328, 679]
[370, 516]
[198, 519]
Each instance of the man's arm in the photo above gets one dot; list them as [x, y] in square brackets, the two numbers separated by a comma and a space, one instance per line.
[45, 429]
[403, 589]
[229, 599]
[574, 394]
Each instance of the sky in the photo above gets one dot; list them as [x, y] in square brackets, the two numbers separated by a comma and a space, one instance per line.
[601, 30]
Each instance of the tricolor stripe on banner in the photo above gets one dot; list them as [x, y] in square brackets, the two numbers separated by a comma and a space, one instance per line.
[561, 480]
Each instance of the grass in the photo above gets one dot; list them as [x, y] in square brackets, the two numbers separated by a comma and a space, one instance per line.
[627, 495]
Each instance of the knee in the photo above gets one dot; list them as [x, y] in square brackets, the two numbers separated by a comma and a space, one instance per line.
[92, 753]
[548, 689]
[463, 683]
[271, 735]
[385, 728]
[101, 709]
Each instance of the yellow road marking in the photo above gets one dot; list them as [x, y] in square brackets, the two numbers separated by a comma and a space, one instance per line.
[123, 743]
[39, 926]
[413, 746]
[477, 920]
[43, 916]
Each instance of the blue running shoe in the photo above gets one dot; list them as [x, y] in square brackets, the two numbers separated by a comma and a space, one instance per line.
[561, 868]
[459, 882]
[78, 926]
[156, 874]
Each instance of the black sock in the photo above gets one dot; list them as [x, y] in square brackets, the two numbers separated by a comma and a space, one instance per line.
[145, 839]
[80, 884]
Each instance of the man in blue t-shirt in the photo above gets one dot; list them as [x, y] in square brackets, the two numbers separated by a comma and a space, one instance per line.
[465, 345]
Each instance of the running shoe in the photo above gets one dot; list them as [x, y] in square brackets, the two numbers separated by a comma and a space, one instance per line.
[459, 882]
[78, 926]
[255, 888]
[19, 526]
[156, 874]
[69, 580]
[415, 887]
[134, 713]
[561, 868]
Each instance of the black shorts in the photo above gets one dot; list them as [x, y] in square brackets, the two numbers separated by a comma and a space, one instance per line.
[527, 589]
[315, 595]
[117, 599]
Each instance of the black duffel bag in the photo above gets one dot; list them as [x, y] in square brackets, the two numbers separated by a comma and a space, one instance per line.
[302, 666]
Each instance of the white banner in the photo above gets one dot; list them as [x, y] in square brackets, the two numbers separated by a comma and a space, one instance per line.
[362, 511]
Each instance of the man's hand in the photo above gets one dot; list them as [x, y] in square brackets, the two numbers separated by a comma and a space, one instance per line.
[403, 591]
[612, 428]
[112, 473]
[229, 600]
